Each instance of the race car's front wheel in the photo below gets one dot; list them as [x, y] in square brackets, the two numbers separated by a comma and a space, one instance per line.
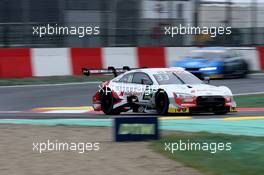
[162, 103]
[107, 104]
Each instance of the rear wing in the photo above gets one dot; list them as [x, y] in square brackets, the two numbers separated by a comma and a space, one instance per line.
[109, 71]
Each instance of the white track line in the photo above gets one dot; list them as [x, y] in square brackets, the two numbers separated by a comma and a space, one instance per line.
[43, 85]
[257, 74]
[249, 93]
[3, 112]
[98, 82]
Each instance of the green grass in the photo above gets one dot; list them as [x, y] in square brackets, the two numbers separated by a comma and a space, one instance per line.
[245, 158]
[250, 100]
[51, 80]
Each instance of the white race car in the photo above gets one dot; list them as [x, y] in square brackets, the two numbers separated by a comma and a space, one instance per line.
[159, 90]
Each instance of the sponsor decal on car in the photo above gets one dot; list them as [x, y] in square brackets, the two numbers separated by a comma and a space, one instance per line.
[233, 109]
[178, 110]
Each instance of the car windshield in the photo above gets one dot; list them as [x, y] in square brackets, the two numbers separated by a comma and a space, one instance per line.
[167, 78]
[177, 77]
[206, 54]
[188, 78]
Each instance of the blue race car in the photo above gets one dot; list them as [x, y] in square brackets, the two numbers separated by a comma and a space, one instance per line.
[214, 62]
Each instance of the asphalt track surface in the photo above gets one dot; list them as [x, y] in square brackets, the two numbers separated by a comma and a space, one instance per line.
[24, 98]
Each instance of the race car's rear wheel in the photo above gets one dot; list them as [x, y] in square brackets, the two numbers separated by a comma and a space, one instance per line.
[162, 103]
[107, 104]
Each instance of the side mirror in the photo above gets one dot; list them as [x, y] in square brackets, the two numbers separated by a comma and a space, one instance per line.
[206, 80]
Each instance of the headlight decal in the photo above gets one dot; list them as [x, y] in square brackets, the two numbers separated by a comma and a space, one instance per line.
[184, 99]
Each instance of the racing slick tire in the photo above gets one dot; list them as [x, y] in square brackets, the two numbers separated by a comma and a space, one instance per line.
[162, 103]
[107, 104]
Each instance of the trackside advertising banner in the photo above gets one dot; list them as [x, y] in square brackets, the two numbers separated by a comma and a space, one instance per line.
[136, 128]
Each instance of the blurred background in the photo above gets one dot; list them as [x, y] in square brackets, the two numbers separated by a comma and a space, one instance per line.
[126, 23]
